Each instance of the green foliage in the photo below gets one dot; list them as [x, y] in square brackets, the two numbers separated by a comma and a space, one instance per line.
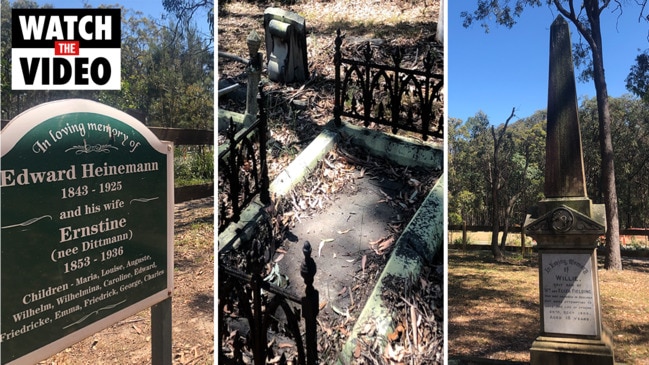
[522, 159]
[630, 133]
[167, 73]
[469, 158]
[457, 242]
[184, 10]
[202, 163]
[514, 239]
[193, 165]
[454, 218]
[638, 80]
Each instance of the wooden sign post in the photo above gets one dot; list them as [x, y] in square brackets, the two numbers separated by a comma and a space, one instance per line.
[86, 226]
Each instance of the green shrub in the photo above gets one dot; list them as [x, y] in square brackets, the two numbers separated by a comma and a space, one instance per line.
[193, 165]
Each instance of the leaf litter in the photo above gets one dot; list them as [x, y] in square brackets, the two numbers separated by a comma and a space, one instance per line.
[292, 129]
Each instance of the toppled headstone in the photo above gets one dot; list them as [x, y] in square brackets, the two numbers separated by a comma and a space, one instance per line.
[285, 46]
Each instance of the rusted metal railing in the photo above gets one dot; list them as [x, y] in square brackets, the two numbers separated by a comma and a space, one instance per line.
[258, 302]
[393, 96]
[243, 170]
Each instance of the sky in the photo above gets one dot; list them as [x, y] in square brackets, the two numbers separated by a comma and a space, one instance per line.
[503, 69]
[508, 68]
[150, 8]
[147, 7]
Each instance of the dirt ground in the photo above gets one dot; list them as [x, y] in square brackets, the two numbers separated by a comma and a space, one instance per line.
[494, 309]
[352, 234]
[297, 113]
[387, 24]
[129, 341]
[352, 208]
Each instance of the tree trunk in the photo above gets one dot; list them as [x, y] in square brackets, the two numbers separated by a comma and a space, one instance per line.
[593, 36]
[496, 185]
[613, 259]
[495, 206]
[503, 240]
[495, 249]
[509, 209]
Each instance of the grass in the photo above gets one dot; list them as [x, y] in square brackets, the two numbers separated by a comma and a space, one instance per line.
[494, 308]
[625, 310]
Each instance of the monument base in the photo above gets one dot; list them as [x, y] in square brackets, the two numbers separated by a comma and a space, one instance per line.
[581, 204]
[549, 350]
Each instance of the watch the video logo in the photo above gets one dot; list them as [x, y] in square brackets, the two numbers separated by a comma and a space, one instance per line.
[66, 49]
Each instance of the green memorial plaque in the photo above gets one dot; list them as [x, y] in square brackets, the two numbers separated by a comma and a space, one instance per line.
[86, 222]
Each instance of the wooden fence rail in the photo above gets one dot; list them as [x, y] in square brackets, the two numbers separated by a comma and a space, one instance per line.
[517, 229]
[521, 231]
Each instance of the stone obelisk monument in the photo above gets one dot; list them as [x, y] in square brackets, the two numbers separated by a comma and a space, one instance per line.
[566, 226]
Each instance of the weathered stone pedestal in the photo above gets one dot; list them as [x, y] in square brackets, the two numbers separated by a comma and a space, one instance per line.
[571, 351]
[566, 226]
[571, 326]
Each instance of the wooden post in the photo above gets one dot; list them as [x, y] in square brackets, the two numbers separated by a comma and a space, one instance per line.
[161, 333]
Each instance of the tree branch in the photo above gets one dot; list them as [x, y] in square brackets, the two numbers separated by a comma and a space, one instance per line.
[643, 4]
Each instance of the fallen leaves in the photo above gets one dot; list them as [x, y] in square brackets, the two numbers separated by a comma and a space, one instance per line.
[417, 305]
[382, 245]
[322, 244]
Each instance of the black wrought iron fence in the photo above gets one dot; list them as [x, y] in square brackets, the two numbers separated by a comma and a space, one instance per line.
[250, 297]
[389, 95]
[242, 169]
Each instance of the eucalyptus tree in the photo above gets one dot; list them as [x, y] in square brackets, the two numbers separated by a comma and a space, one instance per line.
[167, 78]
[180, 81]
[465, 180]
[637, 81]
[15, 102]
[185, 10]
[468, 148]
[139, 35]
[630, 126]
[523, 169]
[497, 178]
[515, 174]
[586, 16]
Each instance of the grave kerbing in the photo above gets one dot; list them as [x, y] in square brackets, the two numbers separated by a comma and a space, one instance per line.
[566, 226]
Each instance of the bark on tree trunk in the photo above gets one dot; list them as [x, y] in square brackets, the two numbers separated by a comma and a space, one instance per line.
[593, 36]
[495, 206]
[613, 259]
[503, 240]
[496, 185]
